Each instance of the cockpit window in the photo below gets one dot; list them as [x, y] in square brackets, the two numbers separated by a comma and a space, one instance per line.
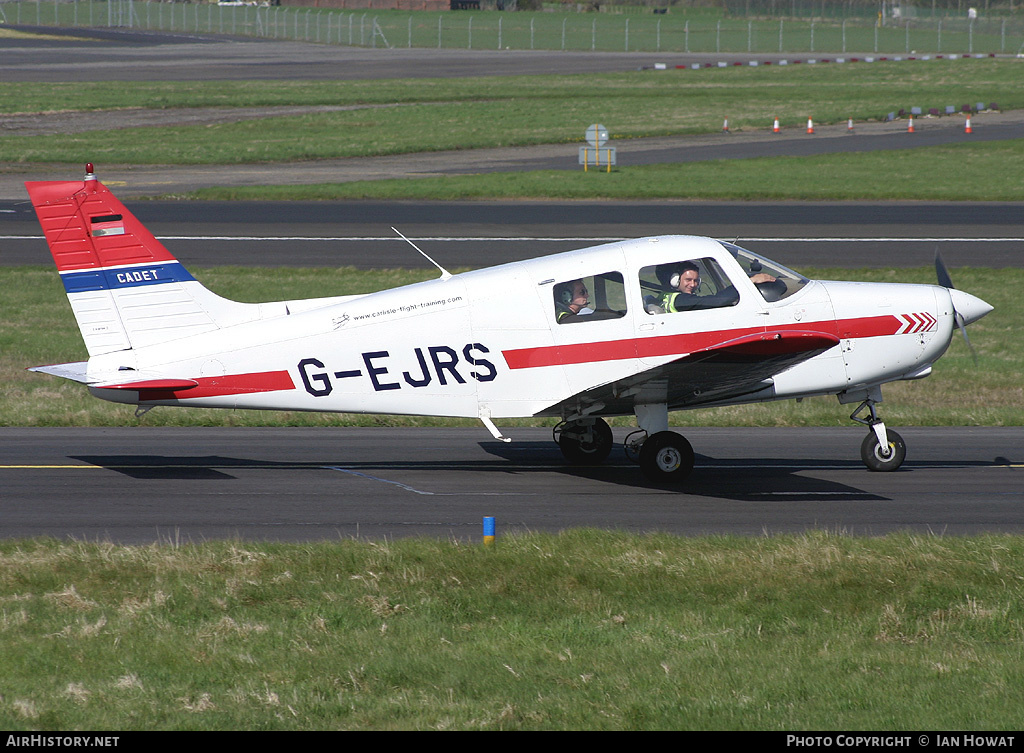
[772, 280]
[686, 285]
[591, 298]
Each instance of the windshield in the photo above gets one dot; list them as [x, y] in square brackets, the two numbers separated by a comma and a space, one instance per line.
[772, 280]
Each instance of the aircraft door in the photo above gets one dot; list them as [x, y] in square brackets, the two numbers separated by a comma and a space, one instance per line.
[592, 331]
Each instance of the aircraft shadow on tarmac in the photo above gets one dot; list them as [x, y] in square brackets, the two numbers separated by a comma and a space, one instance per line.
[209, 467]
[761, 483]
[738, 480]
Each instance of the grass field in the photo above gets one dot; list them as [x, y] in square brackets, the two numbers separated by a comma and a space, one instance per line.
[586, 630]
[397, 117]
[405, 116]
[952, 173]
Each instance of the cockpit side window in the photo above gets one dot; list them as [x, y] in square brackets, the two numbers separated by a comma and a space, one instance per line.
[686, 285]
[591, 298]
[772, 280]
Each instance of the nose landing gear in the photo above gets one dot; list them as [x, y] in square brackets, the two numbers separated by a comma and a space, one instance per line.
[882, 449]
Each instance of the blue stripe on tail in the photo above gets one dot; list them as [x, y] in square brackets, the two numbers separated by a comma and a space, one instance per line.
[124, 277]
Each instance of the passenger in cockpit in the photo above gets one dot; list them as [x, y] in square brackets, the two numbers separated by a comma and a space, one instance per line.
[570, 298]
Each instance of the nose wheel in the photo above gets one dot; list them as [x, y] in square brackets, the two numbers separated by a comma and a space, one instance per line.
[883, 458]
[882, 449]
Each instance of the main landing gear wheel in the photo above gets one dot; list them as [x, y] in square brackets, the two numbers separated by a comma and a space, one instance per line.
[878, 459]
[666, 457]
[586, 445]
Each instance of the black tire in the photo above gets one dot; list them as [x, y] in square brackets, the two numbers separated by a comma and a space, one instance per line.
[666, 457]
[871, 452]
[579, 449]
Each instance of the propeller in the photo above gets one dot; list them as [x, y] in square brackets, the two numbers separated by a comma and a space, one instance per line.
[941, 272]
[966, 307]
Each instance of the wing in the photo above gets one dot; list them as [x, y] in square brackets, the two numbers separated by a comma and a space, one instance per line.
[725, 371]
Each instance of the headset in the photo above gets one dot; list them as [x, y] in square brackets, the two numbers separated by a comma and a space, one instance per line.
[671, 274]
[563, 293]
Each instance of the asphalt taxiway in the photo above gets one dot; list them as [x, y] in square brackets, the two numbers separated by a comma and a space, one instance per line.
[170, 485]
[481, 234]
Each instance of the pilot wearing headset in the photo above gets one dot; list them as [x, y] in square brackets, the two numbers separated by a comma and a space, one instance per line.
[682, 279]
[570, 298]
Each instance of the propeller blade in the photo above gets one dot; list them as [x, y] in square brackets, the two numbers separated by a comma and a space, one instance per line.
[941, 272]
[962, 325]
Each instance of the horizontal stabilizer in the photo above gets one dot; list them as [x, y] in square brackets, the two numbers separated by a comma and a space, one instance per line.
[153, 386]
[76, 371]
[147, 385]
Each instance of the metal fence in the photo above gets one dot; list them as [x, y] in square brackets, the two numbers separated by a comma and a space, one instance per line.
[540, 31]
[868, 9]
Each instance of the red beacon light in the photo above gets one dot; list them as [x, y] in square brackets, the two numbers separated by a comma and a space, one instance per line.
[90, 173]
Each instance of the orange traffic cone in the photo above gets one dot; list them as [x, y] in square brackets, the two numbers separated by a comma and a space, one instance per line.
[810, 126]
[967, 125]
[775, 127]
[910, 125]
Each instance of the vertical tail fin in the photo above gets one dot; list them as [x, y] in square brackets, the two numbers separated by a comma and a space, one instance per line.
[125, 288]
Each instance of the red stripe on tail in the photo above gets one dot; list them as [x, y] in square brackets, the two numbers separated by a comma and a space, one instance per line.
[70, 212]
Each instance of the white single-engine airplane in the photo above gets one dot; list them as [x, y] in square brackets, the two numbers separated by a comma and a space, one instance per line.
[637, 327]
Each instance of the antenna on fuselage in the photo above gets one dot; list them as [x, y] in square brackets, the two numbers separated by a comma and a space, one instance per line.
[445, 274]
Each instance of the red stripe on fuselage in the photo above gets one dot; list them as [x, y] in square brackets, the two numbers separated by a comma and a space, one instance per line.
[231, 384]
[682, 344]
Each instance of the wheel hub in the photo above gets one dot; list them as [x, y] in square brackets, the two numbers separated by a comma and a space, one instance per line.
[669, 459]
